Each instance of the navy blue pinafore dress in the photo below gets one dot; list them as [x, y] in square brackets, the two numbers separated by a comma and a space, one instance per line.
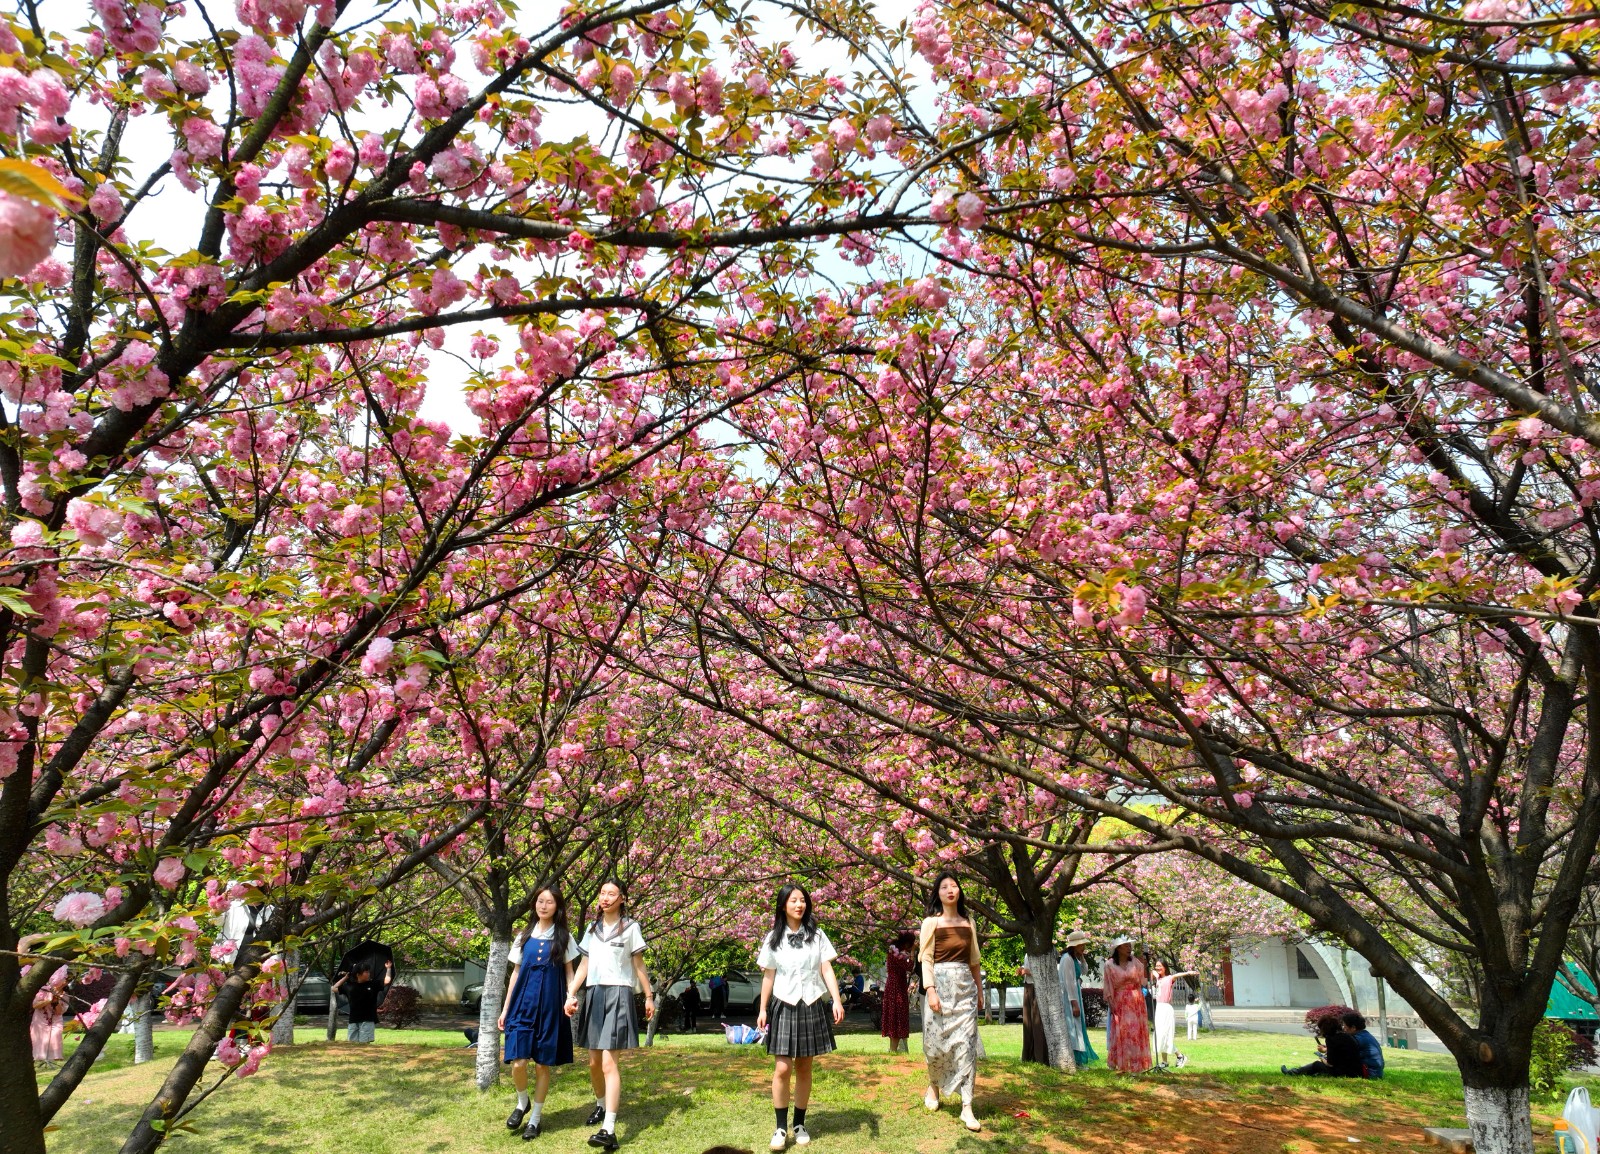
[537, 1028]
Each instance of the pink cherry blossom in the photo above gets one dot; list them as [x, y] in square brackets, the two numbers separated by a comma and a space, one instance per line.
[27, 234]
[79, 909]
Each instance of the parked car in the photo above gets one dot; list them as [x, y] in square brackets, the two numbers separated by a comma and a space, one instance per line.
[1013, 1002]
[472, 997]
[744, 992]
[312, 995]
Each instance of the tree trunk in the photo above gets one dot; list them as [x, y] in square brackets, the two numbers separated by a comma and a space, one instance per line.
[21, 1128]
[1052, 1011]
[333, 1012]
[494, 996]
[1349, 978]
[152, 1128]
[67, 1079]
[650, 1030]
[1499, 1119]
[655, 1022]
[144, 1032]
[283, 1028]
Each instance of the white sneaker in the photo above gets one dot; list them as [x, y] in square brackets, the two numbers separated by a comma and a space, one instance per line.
[780, 1140]
[801, 1138]
[931, 1099]
[969, 1121]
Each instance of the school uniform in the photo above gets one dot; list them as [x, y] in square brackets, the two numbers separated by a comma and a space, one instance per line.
[800, 1014]
[608, 1020]
[536, 1028]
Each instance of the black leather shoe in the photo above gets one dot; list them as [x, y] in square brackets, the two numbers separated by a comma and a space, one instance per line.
[603, 1140]
[530, 1131]
[596, 1116]
[516, 1118]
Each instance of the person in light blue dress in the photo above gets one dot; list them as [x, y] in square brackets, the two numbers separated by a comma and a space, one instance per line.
[533, 1018]
[1070, 971]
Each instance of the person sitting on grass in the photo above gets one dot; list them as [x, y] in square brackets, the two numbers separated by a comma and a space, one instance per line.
[1370, 1049]
[1343, 1056]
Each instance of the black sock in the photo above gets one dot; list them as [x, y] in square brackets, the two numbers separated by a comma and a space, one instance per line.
[782, 1114]
[799, 1115]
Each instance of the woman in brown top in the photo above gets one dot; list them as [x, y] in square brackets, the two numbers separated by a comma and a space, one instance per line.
[948, 951]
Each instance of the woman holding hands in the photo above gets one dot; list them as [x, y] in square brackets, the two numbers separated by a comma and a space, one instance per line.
[948, 952]
[796, 963]
[531, 1019]
[613, 960]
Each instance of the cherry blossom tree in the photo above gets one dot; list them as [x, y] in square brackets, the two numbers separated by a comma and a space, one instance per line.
[234, 251]
[990, 534]
[1184, 910]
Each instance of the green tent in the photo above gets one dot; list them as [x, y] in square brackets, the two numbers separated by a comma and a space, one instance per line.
[1566, 1005]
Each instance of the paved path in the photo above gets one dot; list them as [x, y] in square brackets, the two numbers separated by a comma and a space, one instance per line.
[1274, 1020]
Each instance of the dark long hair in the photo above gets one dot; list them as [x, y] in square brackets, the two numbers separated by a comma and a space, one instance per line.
[936, 907]
[780, 915]
[622, 908]
[563, 933]
[905, 939]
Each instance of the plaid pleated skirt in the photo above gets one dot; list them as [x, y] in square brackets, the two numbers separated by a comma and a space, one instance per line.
[608, 1022]
[800, 1031]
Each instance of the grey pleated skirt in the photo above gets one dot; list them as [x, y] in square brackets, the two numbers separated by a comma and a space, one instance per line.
[608, 1022]
[800, 1031]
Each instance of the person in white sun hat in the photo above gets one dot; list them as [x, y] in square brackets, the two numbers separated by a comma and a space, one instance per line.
[1070, 970]
[1127, 1023]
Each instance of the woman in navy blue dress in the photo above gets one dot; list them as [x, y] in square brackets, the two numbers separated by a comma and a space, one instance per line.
[533, 1019]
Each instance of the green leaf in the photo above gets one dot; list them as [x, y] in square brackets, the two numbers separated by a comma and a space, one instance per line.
[32, 182]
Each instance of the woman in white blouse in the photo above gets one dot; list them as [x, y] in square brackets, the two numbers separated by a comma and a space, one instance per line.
[796, 963]
[612, 963]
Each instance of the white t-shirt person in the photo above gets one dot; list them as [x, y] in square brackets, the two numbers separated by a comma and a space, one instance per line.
[797, 977]
[611, 953]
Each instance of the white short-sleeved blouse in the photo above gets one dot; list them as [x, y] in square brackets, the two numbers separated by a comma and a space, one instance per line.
[797, 969]
[611, 953]
[515, 957]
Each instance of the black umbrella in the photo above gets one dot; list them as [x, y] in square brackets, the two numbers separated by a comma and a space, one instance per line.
[373, 955]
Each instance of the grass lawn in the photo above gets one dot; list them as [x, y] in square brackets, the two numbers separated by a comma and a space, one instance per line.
[412, 1094]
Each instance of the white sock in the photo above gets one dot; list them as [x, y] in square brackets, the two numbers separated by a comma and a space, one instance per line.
[536, 1112]
[522, 1100]
[611, 1121]
[599, 1103]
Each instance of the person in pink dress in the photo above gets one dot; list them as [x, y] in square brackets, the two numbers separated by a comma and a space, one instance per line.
[49, 1018]
[1128, 1025]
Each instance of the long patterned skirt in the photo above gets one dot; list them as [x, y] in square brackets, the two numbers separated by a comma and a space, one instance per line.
[950, 1041]
[1128, 1032]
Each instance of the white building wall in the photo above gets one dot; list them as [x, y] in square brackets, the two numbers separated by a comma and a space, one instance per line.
[1266, 973]
[1260, 972]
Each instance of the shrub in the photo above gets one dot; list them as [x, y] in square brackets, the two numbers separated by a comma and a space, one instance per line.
[402, 1007]
[1094, 1007]
[1583, 1050]
[1557, 1048]
[1315, 1018]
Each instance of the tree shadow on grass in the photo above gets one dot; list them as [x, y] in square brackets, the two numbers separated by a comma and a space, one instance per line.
[826, 1122]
